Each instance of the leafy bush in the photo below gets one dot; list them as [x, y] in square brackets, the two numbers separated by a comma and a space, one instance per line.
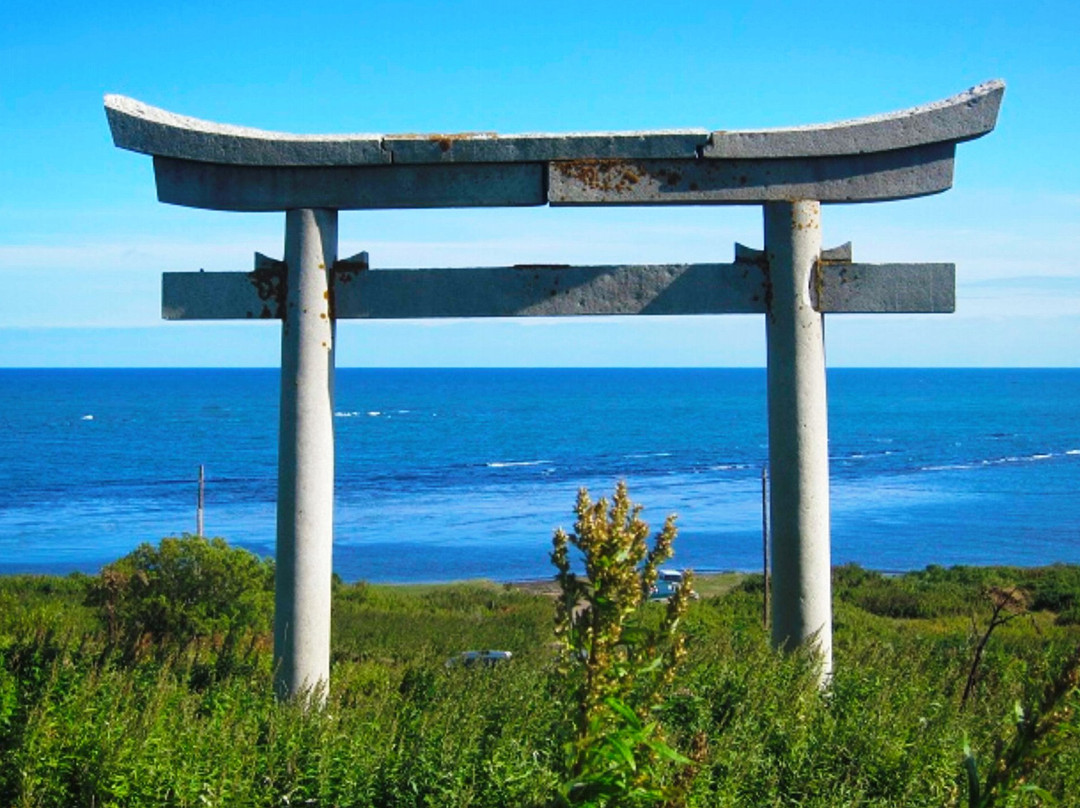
[875, 593]
[752, 583]
[934, 592]
[1055, 589]
[184, 588]
[1069, 617]
[29, 603]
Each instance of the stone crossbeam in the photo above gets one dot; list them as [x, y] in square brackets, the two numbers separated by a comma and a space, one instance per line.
[558, 291]
[208, 165]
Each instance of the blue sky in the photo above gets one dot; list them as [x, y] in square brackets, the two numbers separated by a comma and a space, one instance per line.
[83, 241]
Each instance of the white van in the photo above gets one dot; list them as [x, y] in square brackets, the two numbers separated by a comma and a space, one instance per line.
[666, 583]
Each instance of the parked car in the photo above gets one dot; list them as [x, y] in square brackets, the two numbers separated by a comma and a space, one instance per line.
[487, 659]
[666, 583]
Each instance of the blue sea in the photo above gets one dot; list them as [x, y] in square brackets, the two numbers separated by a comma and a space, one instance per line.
[450, 474]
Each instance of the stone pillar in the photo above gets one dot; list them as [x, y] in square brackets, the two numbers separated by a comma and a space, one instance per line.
[305, 513]
[798, 434]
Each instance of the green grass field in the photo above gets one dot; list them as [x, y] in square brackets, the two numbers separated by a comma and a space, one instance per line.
[91, 716]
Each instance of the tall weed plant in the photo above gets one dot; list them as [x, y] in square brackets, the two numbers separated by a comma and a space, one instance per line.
[619, 660]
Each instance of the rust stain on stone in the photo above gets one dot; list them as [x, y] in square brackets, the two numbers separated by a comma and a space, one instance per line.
[671, 177]
[269, 283]
[603, 175]
[445, 142]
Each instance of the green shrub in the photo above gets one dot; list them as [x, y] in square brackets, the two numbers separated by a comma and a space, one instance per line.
[935, 592]
[33, 602]
[184, 588]
[753, 584]
[1069, 617]
[1055, 589]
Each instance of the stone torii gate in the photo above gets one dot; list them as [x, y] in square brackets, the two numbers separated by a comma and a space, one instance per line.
[793, 282]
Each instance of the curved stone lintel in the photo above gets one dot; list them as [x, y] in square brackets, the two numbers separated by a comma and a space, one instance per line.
[150, 130]
[142, 128]
[968, 115]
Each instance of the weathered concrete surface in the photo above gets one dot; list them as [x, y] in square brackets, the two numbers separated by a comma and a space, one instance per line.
[884, 288]
[893, 156]
[151, 130]
[142, 128]
[541, 291]
[851, 178]
[305, 507]
[798, 434]
[968, 115]
[488, 147]
[554, 291]
[526, 291]
[256, 188]
[857, 178]
[255, 295]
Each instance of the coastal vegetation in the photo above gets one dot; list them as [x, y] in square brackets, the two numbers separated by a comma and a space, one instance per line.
[952, 687]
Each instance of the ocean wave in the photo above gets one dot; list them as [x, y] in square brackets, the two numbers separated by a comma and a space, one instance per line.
[646, 455]
[999, 461]
[504, 464]
[371, 413]
[866, 455]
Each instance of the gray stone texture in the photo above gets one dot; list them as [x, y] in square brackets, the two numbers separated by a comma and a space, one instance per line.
[885, 288]
[305, 498]
[553, 291]
[257, 188]
[851, 178]
[798, 435]
[151, 130]
[893, 156]
[961, 117]
[472, 147]
[536, 291]
[142, 128]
